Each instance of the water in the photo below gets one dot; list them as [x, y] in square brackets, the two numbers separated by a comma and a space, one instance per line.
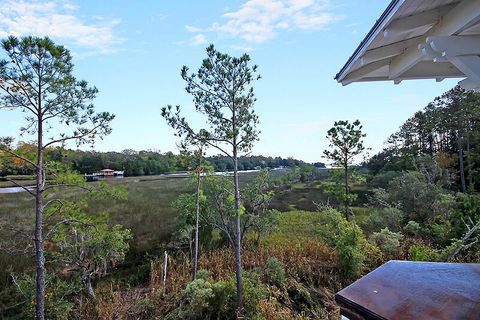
[96, 178]
[14, 189]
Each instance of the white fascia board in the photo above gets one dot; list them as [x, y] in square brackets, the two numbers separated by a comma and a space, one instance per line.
[374, 33]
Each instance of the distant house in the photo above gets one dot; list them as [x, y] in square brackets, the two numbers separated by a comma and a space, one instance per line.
[107, 172]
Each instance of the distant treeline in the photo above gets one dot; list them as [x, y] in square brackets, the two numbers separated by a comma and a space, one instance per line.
[447, 130]
[134, 163]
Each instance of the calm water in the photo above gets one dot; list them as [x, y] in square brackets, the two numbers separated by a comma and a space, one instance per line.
[18, 189]
[13, 189]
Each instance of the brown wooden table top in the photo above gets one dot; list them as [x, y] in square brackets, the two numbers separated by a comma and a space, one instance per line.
[415, 290]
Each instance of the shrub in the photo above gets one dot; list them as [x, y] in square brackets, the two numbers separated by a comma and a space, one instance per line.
[387, 241]
[469, 209]
[412, 228]
[389, 217]
[253, 292]
[58, 296]
[203, 299]
[418, 252]
[441, 233]
[203, 274]
[274, 272]
[301, 299]
[348, 240]
[375, 256]
[197, 297]
[382, 179]
[415, 195]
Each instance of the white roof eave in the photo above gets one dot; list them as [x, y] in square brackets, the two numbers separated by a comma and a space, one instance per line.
[440, 51]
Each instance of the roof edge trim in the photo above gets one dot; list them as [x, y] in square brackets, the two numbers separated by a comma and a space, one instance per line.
[378, 26]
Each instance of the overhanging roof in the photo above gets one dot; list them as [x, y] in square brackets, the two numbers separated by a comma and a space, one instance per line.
[420, 39]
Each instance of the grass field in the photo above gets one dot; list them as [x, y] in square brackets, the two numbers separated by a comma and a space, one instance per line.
[148, 212]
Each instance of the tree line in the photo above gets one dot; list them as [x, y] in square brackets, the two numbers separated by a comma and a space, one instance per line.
[133, 163]
[447, 129]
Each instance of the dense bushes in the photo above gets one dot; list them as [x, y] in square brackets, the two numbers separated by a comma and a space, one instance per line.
[387, 241]
[59, 295]
[421, 252]
[274, 272]
[348, 240]
[387, 217]
[208, 299]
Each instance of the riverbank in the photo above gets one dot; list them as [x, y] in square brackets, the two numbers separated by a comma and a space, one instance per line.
[7, 186]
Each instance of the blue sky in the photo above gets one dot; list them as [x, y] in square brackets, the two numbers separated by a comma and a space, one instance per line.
[132, 51]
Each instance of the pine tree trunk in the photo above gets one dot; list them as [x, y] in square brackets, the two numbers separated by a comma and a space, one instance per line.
[197, 213]
[462, 167]
[39, 250]
[346, 191]
[238, 237]
[469, 160]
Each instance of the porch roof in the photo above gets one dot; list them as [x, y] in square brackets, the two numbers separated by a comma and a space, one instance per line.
[420, 39]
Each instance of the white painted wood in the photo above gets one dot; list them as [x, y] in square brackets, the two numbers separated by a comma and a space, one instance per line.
[469, 65]
[431, 54]
[452, 46]
[460, 17]
[363, 71]
[432, 70]
[468, 84]
[406, 24]
[387, 51]
[370, 40]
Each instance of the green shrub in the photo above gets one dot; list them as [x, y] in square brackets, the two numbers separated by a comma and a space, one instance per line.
[412, 228]
[203, 274]
[423, 253]
[348, 240]
[145, 307]
[197, 296]
[415, 195]
[301, 299]
[375, 256]
[203, 299]
[388, 217]
[387, 241]
[441, 233]
[58, 296]
[274, 272]
[381, 179]
[253, 292]
[469, 209]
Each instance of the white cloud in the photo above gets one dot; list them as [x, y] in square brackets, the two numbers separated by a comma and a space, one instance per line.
[193, 29]
[260, 20]
[57, 21]
[242, 48]
[197, 40]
